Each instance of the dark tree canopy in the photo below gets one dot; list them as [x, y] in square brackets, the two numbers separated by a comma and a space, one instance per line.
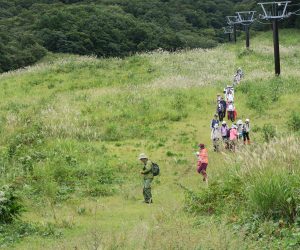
[30, 28]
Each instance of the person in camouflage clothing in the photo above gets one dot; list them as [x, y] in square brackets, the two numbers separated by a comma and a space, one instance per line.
[148, 177]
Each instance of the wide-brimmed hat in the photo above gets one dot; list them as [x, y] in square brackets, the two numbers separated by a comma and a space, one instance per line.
[224, 122]
[143, 156]
[247, 120]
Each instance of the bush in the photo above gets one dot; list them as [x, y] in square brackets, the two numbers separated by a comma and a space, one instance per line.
[179, 101]
[14, 232]
[261, 95]
[245, 52]
[269, 132]
[274, 195]
[215, 199]
[258, 100]
[294, 121]
[112, 133]
[10, 205]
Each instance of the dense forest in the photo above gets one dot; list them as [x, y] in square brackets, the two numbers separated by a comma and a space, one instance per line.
[30, 28]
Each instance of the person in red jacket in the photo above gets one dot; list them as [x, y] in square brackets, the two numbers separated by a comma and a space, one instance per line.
[202, 162]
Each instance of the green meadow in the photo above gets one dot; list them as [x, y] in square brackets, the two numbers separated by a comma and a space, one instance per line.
[72, 128]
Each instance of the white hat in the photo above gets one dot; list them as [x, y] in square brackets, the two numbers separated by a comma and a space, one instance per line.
[224, 122]
[143, 156]
[216, 125]
[233, 126]
[239, 122]
[247, 120]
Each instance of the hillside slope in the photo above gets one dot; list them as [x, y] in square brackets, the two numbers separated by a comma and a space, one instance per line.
[72, 128]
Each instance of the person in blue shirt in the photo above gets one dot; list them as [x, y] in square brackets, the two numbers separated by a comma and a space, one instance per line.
[214, 121]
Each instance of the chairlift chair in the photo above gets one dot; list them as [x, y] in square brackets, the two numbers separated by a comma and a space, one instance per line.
[232, 20]
[274, 10]
[228, 30]
[246, 17]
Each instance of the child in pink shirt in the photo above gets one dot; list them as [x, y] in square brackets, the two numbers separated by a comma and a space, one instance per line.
[233, 137]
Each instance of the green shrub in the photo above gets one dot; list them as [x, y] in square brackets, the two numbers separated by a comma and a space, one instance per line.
[10, 205]
[245, 88]
[179, 101]
[275, 89]
[258, 100]
[245, 52]
[274, 195]
[269, 132]
[95, 188]
[112, 133]
[256, 128]
[61, 174]
[294, 121]
[219, 196]
[261, 95]
[26, 138]
[14, 232]
[170, 154]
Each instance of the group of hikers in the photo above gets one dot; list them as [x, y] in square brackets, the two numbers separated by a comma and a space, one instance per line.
[221, 134]
[220, 130]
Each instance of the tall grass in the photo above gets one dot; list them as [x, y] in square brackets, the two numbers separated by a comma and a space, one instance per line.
[261, 185]
[71, 128]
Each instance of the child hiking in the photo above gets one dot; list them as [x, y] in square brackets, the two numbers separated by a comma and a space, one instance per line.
[231, 111]
[240, 130]
[224, 134]
[233, 137]
[216, 137]
[246, 131]
[203, 162]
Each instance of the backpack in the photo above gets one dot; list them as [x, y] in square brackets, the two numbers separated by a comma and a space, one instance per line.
[155, 169]
[220, 107]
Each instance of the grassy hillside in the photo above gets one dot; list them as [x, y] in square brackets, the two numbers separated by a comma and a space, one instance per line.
[72, 128]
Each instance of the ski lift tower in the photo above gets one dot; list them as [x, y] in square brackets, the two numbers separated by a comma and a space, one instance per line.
[246, 18]
[275, 11]
[233, 21]
[228, 30]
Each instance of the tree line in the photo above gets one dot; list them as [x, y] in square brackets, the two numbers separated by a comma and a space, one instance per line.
[30, 28]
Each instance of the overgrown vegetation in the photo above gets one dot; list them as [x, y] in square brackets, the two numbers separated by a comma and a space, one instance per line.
[72, 127]
[261, 188]
[10, 205]
[294, 121]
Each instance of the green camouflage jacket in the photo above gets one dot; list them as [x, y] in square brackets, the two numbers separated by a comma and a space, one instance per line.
[147, 171]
